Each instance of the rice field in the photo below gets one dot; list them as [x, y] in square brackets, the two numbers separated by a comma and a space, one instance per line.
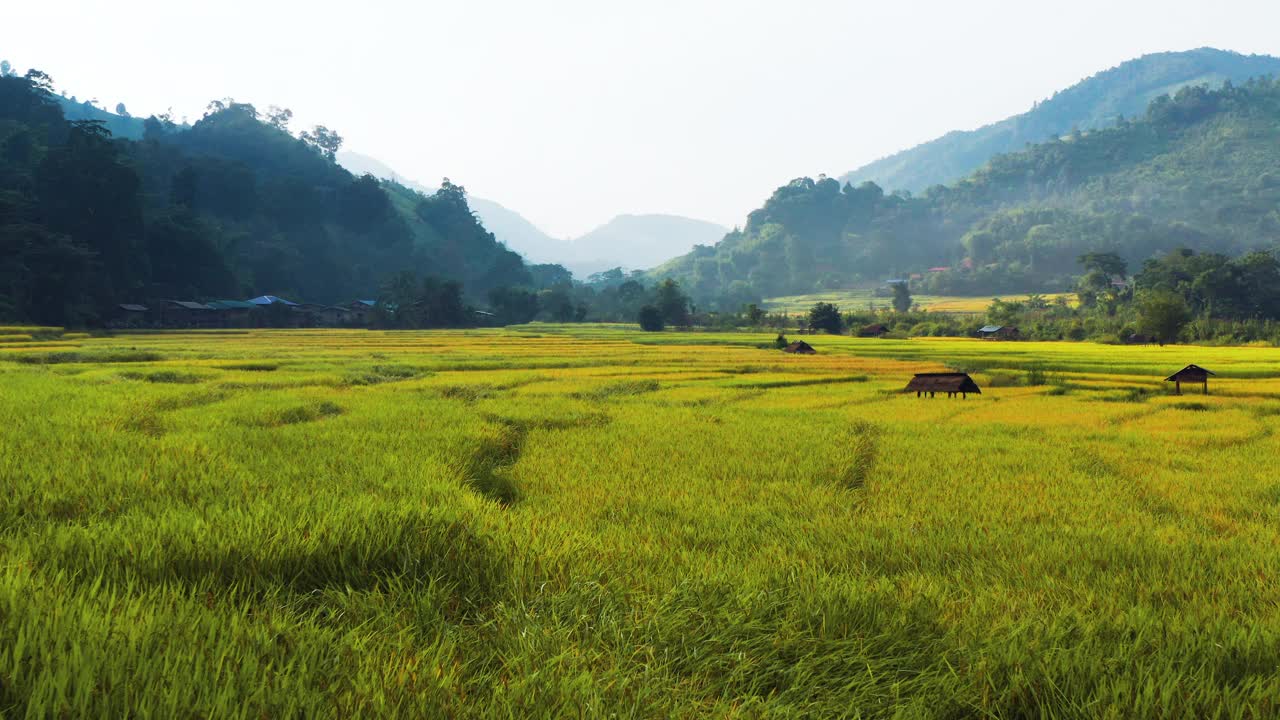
[591, 521]
[864, 299]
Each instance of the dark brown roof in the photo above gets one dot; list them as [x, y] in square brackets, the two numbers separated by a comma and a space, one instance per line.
[188, 305]
[873, 329]
[801, 347]
[1193, 373]
[943, 382]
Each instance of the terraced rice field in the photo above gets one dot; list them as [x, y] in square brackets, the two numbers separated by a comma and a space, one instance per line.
[589, 521]
[862, 300]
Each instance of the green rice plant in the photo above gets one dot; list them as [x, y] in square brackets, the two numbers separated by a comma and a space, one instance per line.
[598, 522]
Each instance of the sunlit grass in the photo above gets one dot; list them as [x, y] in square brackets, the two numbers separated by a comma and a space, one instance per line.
[586, 520]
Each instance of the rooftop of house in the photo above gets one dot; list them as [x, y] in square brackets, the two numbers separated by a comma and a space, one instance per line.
[270, 300]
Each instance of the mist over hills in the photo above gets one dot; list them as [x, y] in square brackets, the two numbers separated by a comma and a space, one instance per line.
[1093, 103]
[633, 242]
[639, 242]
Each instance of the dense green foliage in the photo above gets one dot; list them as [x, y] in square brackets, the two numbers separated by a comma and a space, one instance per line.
[1198, 170]
[232, 206]
[1093, 103]
[826, 317]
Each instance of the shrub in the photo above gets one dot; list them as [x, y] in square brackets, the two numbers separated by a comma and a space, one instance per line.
[651, 319]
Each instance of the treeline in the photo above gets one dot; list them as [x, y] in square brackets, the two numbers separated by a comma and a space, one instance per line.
[1181, 296]
[233, 206]
[1199, 169]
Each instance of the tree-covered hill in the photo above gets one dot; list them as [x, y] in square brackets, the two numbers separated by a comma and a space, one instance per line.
[231, 206]
[1200, 169]
[1091, 104]
[508, 226]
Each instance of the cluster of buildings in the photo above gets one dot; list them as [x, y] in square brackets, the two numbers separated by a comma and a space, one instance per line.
[262, 311]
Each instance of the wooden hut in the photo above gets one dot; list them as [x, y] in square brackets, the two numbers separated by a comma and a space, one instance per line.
[800, 347]
[1190, 374]
[873, 330]
[951, 383]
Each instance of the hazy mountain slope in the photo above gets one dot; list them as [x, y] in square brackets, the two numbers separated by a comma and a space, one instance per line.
[509, 226]
[1092, 103]
[120, 125]
[636, 242]
[1198, 170]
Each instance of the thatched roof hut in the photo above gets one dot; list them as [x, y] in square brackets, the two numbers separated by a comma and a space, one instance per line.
[873, 330]
[800, 347]
[951, 383]
[1190, 374]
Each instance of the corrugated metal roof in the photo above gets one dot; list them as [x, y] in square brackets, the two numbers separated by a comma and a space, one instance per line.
[231, 305]
[990, 328]
[189, 305]
[133, 308]
[270, 300]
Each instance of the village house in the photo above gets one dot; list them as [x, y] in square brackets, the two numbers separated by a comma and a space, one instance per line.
[999, 332]
[233, 313]
[361, 311]
[129, 315]
[185, 314]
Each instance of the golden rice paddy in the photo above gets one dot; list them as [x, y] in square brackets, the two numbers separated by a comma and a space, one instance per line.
[591, 521]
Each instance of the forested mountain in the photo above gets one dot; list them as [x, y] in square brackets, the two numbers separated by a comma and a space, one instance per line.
[1200, 169]
[232, 206]
[120, 125]
[1091, 104]
[509, 226]
[633, 242]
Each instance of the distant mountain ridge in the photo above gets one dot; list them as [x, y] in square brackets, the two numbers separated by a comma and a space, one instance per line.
[639, 242]
[1198, 170]
[1093, 103]
[633, 242]
[507, 225]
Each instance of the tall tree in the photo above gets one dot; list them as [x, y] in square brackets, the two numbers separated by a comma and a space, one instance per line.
[901, 297]
[1162, 315]
[826, 317]
[672, 302]
[324, 140]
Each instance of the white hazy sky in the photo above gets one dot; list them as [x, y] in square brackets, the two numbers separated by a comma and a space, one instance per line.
[571, 112]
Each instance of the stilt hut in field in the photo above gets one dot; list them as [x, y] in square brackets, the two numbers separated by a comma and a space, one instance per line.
[951, 383]
[1190, 374]
[799, 347]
